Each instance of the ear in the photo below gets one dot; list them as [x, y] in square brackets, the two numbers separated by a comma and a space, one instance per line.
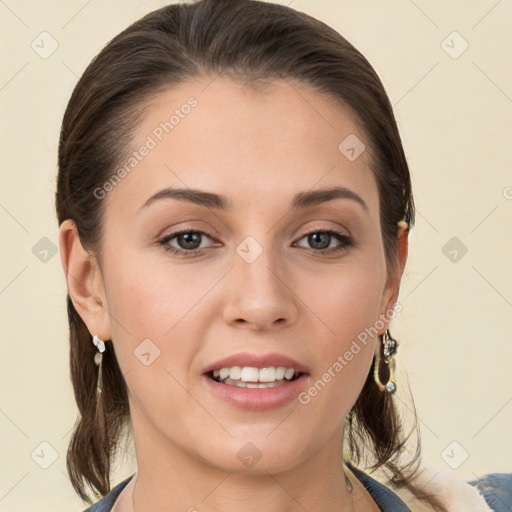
[392, 287]
[84, 281]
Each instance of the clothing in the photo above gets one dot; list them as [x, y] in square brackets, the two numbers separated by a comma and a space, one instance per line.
[490, 493]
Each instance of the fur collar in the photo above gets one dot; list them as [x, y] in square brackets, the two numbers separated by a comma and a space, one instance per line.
[456, 494]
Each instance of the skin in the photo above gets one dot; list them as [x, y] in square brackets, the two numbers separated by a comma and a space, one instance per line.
[258, 148]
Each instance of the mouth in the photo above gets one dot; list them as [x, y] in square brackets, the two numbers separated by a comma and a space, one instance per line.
[254, 377]
[256, 382]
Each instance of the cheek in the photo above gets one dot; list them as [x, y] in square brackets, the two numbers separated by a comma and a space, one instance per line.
[348, 307]
[155, 326]
[347, 300]
[156, 335]
[152, 300]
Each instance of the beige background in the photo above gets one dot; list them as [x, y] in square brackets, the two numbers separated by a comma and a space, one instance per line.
[454, 115]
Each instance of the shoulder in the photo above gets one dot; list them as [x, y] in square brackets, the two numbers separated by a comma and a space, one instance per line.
[489, 493]
[496, 488]
[107, 502]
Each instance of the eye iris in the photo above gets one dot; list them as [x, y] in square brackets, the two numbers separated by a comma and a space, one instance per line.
[189, 240]
[322, 238]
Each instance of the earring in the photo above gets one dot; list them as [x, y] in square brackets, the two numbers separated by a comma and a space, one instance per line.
[98, 358]
[385, 364]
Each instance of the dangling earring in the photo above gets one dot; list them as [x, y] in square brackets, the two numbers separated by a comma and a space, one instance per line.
[98, 358]
[100, 413]
[385, 363]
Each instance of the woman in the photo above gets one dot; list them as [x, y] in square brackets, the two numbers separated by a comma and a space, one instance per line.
[234, 206]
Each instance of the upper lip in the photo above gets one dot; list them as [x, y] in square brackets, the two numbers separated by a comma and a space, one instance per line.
[271, 359]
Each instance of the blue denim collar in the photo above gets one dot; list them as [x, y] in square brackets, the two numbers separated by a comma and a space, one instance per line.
[107, 502]
[385, 498]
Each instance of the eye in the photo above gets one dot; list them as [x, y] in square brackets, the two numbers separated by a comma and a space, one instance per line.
[320, 241]
[188, 242]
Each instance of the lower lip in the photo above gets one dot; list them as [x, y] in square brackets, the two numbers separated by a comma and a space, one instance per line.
[257, 399]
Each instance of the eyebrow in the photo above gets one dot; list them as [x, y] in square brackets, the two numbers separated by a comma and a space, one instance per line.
[221, 202]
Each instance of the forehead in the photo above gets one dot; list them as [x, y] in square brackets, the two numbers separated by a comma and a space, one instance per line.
[222, 105]
[225, 137]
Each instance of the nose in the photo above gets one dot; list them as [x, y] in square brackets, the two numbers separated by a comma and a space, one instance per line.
[260, 294]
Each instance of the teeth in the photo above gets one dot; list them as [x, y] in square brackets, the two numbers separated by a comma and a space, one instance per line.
[280, 372]
[267, 375]
[252, 375]
[248, 374]
[260, 385]
[235, 373]
[289, 373]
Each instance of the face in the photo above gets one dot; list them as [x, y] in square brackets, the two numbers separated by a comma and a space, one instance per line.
[265, 270]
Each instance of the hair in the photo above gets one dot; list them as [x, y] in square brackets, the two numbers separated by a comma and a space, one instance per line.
[254, 43]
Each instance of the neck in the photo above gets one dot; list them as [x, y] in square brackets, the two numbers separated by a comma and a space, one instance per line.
[170, 479]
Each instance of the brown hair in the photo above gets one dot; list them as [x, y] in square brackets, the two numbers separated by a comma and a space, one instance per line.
[253, 42]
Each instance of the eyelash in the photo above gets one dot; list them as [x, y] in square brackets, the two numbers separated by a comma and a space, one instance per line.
[346, 242]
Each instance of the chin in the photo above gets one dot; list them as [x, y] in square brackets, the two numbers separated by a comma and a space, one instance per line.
[258, 456]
